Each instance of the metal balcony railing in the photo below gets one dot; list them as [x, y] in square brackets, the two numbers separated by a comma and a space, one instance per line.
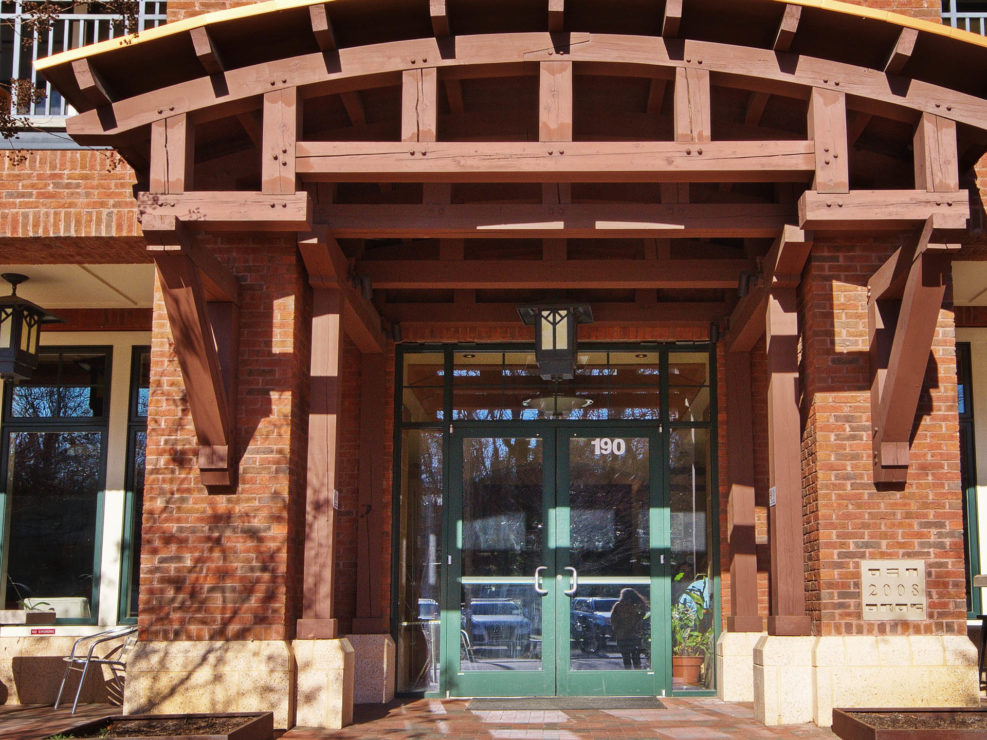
[80, 24]
[970, 15]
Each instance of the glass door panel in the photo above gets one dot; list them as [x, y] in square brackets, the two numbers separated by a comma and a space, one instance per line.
[607, 503]
[504, 641]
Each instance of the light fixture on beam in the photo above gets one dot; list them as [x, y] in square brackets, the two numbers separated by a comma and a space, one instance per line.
[20, 332]
[555, 335]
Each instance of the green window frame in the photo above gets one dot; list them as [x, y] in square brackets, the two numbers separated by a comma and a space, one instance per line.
[968, 476]
[80, 435]
[140, 360]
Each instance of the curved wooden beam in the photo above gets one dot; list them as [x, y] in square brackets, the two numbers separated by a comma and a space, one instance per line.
[312, 71]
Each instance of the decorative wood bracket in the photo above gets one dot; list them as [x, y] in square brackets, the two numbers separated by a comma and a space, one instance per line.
[904, 297]
[328, 267]
[200, 297]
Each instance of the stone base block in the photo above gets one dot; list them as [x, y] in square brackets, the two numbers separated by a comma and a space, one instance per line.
[211, 676]
[324, 693]
[801, 679]
[31, 669]
[735, 665]
[373, 681]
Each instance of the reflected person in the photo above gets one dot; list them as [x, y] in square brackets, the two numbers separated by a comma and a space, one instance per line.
[627, 623]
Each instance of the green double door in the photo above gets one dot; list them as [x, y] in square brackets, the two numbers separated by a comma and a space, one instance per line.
[556, 582]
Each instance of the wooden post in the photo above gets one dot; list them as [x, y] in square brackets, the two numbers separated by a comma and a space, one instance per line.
[371, 614]
[317, 620]
[419, 104]
[172, 155]
[740, 528]
[827, 128]
[282, 110]
[555, 101]
[788, 615]
[692, 105]
[934, 146]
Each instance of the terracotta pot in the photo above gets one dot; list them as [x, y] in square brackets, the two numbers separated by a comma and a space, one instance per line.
[686, 668]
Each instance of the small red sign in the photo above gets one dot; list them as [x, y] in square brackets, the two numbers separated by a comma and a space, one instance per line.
[42, 630]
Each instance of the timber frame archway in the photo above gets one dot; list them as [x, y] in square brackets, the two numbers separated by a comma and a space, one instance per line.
[667, 161]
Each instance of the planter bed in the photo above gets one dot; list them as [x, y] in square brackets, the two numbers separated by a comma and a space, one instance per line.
[234, 726]
[959, 723]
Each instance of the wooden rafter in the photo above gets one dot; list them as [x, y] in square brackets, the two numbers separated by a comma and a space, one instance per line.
[328, 269]
[741, 161]
[556, 15]
[91, 84]
[322, 27]
[787, 28]
[206, 51]
[761, 66]
[439, 13]
[671, 18]
[554, 273]
[901, 327]
[675, 220]
[200, 298]
[901, 52]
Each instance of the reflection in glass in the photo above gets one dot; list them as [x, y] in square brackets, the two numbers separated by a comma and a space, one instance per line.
[53, 480]
[422, 397]
[418, 552]
[610, 628]
[688, 386]
[609, 500]
[64, 385]
[692, 615]
[137, 463]
[501, 627]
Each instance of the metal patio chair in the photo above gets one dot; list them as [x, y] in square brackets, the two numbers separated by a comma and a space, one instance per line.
[115, 658]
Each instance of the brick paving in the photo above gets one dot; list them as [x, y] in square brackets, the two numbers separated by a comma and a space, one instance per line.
[700, 718]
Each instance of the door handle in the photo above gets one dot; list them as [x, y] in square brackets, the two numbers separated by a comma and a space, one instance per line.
[575, 581]
[538, 587]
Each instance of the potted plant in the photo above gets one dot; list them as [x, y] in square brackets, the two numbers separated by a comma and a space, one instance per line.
[692, 635]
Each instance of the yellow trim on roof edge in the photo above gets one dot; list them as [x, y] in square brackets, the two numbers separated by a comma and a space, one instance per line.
[273, 6]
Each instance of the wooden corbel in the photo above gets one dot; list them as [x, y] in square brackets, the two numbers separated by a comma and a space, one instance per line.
[200, 297]
[904, 297]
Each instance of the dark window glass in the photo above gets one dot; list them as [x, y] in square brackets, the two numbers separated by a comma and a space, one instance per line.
[70, 385]
[140, 378]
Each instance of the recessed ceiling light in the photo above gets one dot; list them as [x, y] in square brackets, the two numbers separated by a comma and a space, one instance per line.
[469, 355]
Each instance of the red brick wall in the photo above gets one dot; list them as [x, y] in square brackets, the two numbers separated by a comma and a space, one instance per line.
[74, 199]
[846, 517]
[225, 566]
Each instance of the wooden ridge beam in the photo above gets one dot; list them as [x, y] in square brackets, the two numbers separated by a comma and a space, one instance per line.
[206, 51]
[604, 314]
[490, 51]
[205, 335]
[880, 209]
[322, 27]
[901, 337]
[741, 161]
[901, 52]
[232, 211]
[328, 269]
[676, 220]
[555, 273]
[787, 28]
[671, 19]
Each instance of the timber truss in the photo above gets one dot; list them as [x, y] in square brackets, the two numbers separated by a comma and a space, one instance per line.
[443, 161]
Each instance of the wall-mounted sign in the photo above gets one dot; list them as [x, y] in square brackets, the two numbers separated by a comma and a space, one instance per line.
[772, 496]
[892, 589]
[42, 630]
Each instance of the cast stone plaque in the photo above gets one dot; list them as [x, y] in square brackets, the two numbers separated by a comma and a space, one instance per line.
[892, 589]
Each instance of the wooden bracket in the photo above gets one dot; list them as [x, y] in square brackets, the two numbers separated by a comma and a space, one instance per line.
[904, 299]
[200, 298]
[328, 268]
[91, 83]
[901, 52]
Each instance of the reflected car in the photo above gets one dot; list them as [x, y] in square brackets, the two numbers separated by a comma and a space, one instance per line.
[589, 623]
[497, 624]
[428, 610]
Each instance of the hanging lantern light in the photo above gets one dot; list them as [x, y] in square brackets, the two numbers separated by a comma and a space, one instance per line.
[555, 336]
[20, 332]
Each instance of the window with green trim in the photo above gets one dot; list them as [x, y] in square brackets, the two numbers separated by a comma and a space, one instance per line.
[968, 473]
[140, 375]
[53, 465]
